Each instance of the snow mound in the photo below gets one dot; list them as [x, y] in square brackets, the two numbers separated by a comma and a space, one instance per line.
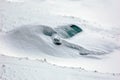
[36, 39]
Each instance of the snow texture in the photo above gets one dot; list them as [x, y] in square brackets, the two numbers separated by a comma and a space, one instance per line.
[12, 68]
[26, 29]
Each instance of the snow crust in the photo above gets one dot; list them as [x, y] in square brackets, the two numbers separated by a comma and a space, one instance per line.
[20, 37]
[12, 68]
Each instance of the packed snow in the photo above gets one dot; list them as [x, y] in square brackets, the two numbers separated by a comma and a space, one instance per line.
[12, 68]
[27, 28]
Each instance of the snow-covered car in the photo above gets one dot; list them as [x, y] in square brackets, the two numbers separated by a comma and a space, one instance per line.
[56, 39]
[68, 31]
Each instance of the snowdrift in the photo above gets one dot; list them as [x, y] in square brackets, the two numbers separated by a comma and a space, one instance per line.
[36, 39]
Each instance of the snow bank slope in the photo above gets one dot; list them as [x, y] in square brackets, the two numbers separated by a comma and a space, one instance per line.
[12, 68]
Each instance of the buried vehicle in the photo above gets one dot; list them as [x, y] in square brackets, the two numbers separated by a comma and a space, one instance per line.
[65, 31]
[68, 31]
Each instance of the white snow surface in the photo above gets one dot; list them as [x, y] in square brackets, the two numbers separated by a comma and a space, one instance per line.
[21, 36]
[12, 68]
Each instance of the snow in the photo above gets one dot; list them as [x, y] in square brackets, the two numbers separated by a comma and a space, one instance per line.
[30, 41]
[104, 12]
[21, 35]
[12, 68]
